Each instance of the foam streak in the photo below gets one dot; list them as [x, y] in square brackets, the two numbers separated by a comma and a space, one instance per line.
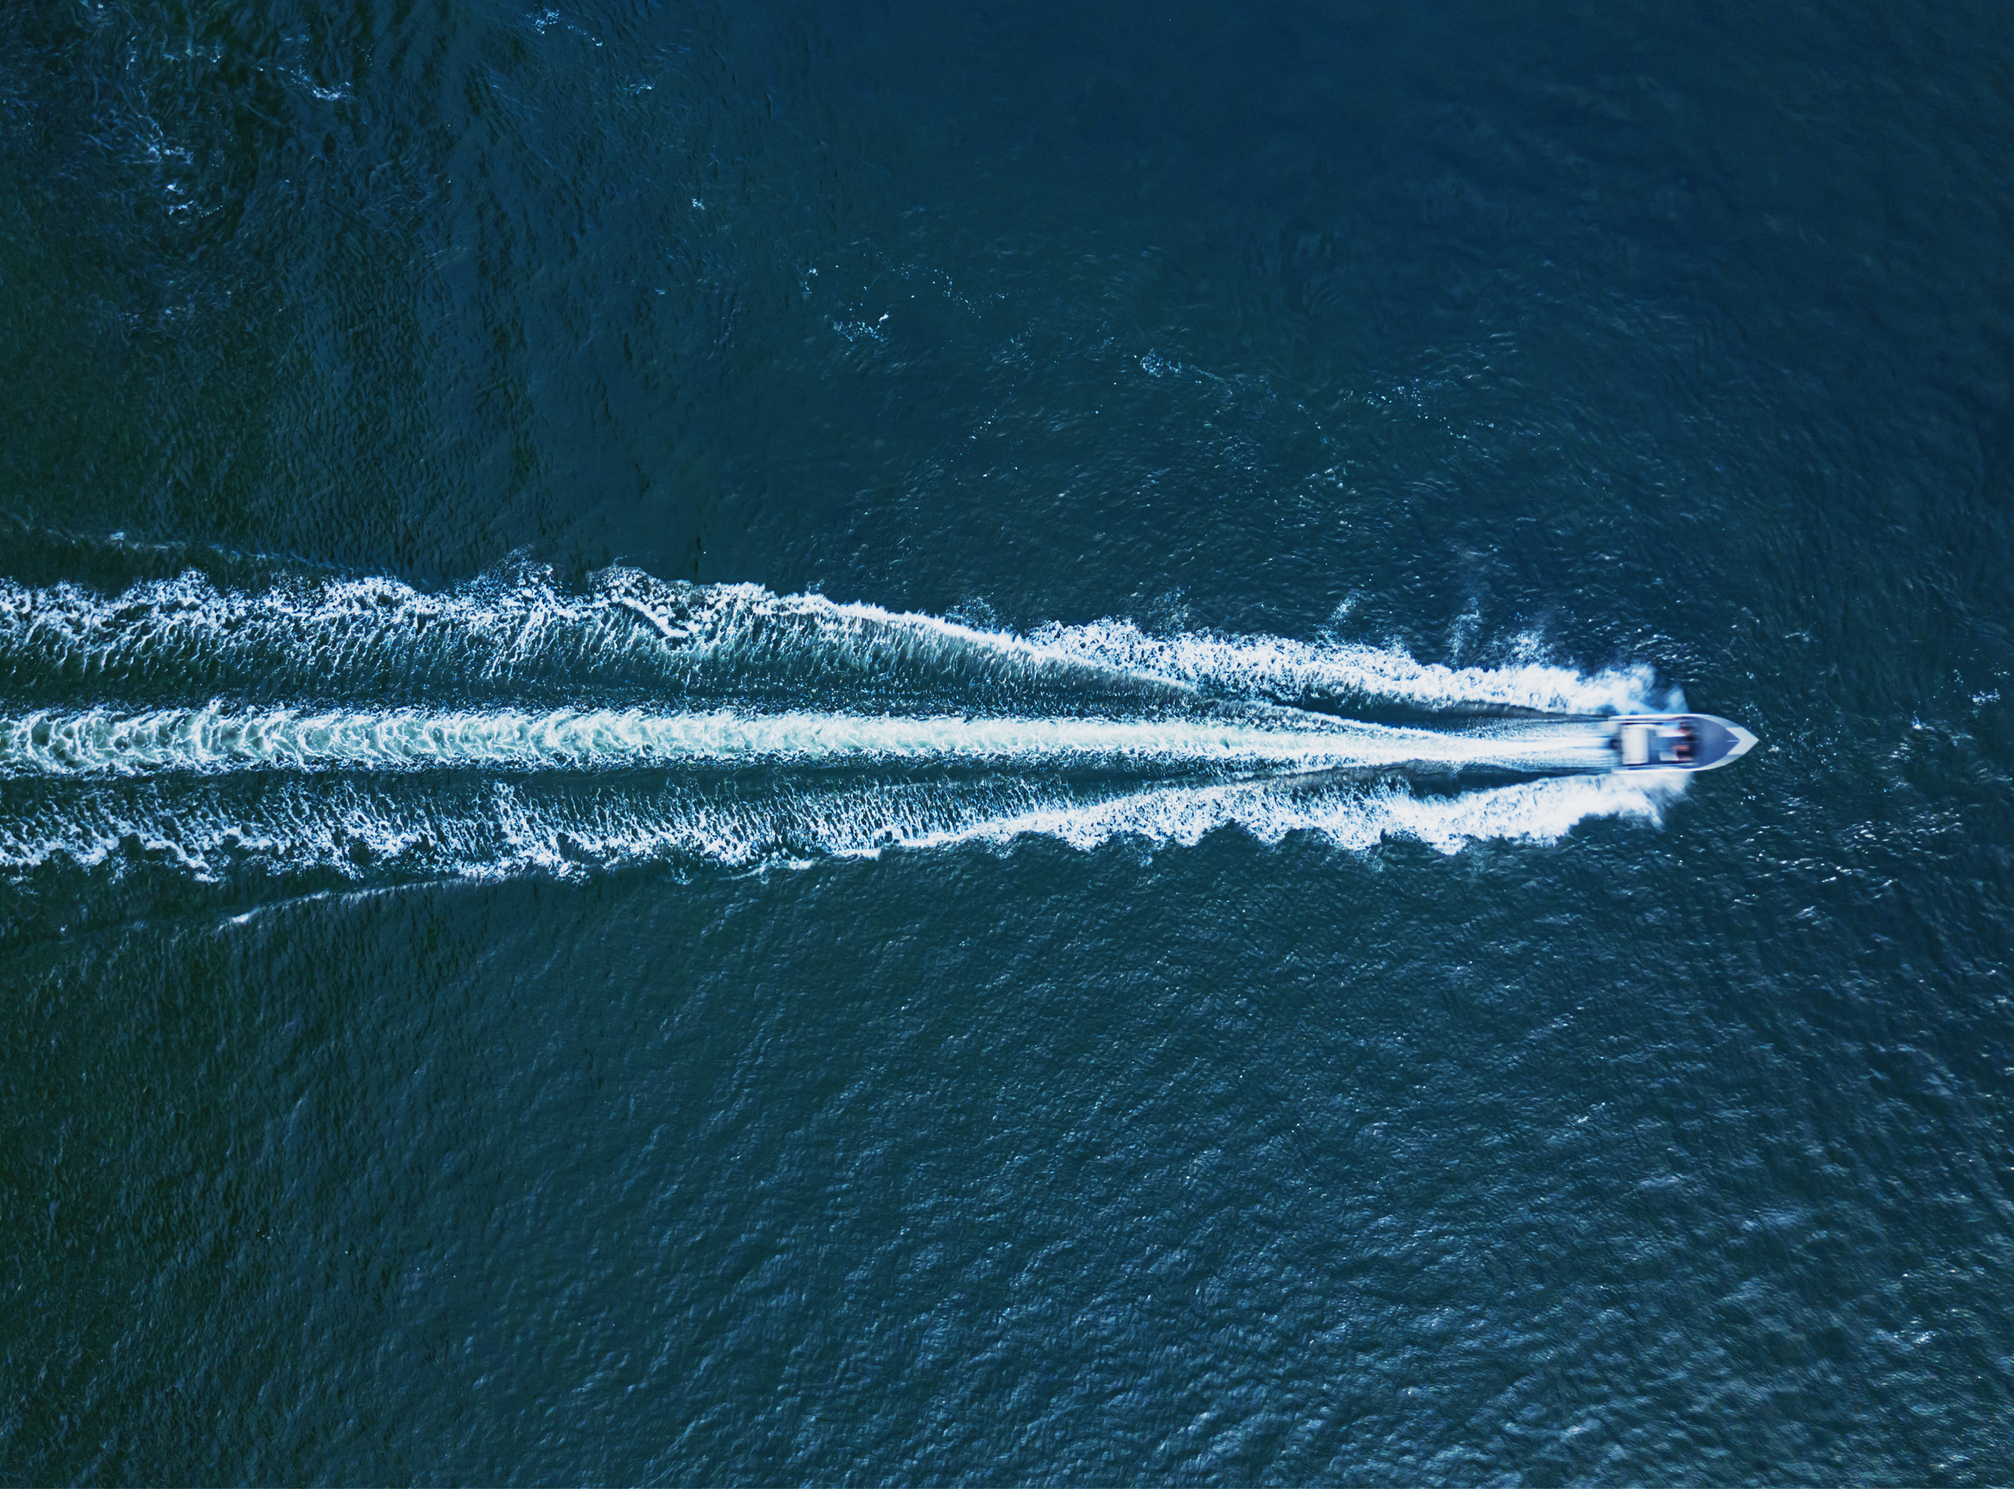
[626, 632]
[218, 739]
[360, 829]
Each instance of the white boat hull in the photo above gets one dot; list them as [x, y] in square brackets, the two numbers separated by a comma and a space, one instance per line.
[1676, 741]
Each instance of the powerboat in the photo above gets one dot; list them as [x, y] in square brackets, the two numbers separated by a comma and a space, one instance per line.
[1675, 741]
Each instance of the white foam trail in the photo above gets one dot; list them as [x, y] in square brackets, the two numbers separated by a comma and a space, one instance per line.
[1533, 811]
[216, 738]
[335, 633]
[1247, 666]
[626, 629]
[360, 831]
[1273, 666]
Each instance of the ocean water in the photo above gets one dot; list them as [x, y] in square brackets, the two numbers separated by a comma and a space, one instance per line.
[862, 743]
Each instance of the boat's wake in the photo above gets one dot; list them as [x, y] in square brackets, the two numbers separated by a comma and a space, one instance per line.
[370, 729]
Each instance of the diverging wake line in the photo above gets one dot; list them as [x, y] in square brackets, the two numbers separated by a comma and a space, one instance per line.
[519, 637]
[362, 828]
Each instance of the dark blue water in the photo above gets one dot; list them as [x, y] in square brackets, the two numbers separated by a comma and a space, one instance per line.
[779, 744]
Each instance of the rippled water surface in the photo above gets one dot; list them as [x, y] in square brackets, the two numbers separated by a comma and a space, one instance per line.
[781, 744]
